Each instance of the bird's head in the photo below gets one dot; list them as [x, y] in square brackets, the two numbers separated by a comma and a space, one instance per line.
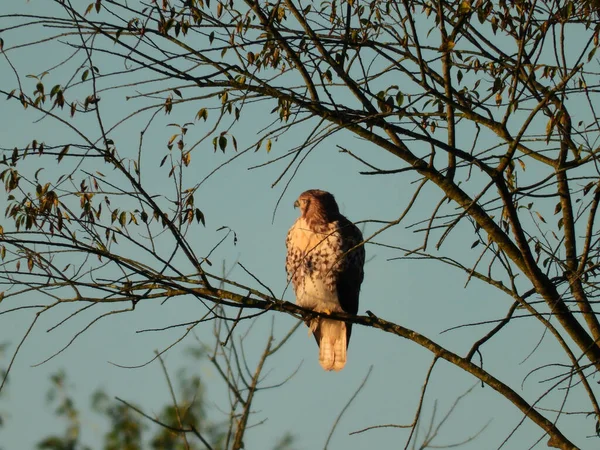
[317, 204]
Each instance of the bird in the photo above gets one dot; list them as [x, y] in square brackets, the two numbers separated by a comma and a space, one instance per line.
[325, 264]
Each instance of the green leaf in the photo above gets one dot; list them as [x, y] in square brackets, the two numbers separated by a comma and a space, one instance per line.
[399, 98]
[54, 90]
[222, 143]
[592, 53]
[200, 217]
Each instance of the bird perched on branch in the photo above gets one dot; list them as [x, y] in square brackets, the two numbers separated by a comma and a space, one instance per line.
[325, 259]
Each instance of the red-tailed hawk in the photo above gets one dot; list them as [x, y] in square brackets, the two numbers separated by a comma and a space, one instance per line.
[325, 265]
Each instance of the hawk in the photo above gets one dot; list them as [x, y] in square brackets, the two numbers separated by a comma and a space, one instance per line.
[324, 262]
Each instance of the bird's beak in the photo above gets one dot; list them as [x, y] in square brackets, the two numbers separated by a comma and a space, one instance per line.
[296, 204]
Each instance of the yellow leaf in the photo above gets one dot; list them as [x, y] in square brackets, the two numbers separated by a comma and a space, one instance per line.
[540, 216]
[447, 46]
[202, 114]
[465, 7]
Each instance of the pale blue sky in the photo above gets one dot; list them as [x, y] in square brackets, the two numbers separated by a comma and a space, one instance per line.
[425, 296]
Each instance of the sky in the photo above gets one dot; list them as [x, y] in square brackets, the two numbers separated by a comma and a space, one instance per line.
[422, 295]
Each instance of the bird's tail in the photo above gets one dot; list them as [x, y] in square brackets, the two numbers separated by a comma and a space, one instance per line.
[332, 339]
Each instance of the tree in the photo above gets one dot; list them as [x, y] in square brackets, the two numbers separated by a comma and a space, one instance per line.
[127, 431]
[486, 107]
